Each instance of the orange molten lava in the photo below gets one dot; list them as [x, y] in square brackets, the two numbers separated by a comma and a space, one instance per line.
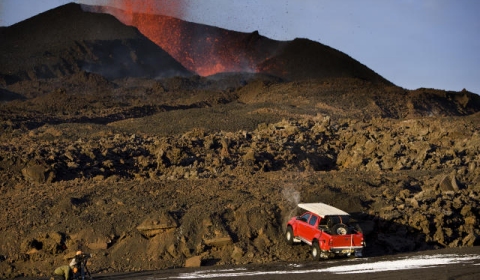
[202, 49]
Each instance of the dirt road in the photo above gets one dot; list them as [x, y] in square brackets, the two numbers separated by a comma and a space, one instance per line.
[463, 263]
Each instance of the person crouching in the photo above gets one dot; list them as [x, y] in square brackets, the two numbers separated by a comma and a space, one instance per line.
[67, 272]
[64, 272]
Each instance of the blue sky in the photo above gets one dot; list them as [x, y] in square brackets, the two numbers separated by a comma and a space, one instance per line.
[412, 43]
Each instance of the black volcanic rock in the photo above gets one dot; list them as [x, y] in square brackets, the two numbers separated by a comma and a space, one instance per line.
[67, 40]
[6, 95]
[305, 59]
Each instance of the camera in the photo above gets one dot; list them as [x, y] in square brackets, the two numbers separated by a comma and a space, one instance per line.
[81, 271]
[82, 258]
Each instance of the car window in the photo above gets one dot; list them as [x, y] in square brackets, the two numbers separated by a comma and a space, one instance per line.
[345, 219]
[324, 221]
[313, 220]
[305, 217]
[334, 220]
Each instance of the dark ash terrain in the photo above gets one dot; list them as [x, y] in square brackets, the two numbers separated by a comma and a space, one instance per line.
[112, 146]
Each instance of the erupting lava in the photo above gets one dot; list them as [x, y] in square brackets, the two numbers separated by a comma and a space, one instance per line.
[202, 49]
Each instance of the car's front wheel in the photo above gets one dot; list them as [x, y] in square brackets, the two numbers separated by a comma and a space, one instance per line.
[289, 235]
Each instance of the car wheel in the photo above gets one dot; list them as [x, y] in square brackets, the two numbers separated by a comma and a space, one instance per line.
[358, 253]
[316, 252]
[289, 235]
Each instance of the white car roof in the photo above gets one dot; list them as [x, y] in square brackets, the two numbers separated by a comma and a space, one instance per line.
[322, 209]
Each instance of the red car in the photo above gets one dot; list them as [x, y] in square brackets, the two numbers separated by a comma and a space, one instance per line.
[327, 230]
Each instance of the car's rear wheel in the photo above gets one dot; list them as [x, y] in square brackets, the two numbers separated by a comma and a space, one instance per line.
[316, 252]
[358, 253]
[289, 235]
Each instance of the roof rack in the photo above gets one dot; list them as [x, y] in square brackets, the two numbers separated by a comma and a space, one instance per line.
[322, 209]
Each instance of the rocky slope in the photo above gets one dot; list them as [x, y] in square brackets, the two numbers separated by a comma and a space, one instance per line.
[140, 201]
[66, 40]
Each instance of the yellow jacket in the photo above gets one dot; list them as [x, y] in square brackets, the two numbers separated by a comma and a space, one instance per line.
[64, 270]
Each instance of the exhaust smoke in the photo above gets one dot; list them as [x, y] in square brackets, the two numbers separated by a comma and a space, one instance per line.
[293, 197]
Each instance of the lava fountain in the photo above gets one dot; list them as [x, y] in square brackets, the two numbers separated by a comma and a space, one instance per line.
[203, 49]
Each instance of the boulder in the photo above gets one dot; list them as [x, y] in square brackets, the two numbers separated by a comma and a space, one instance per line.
[215, 233]
[448, 183]
[90, 238]
[470, 240]
[195, 261]
[35, 172]
[156, 224]
[237, 253]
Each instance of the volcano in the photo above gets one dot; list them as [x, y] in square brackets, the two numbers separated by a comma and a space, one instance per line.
[209, 50]
[67, 40]
[74, 38]
[95, 45]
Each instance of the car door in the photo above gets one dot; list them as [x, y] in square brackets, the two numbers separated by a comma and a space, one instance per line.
[311, 227]
[302, 224]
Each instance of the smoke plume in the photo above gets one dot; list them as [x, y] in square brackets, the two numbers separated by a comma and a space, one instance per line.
[293, 197]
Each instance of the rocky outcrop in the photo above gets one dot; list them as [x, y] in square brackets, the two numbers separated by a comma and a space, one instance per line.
[309, 145]
[201, 198]
[157, 224]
